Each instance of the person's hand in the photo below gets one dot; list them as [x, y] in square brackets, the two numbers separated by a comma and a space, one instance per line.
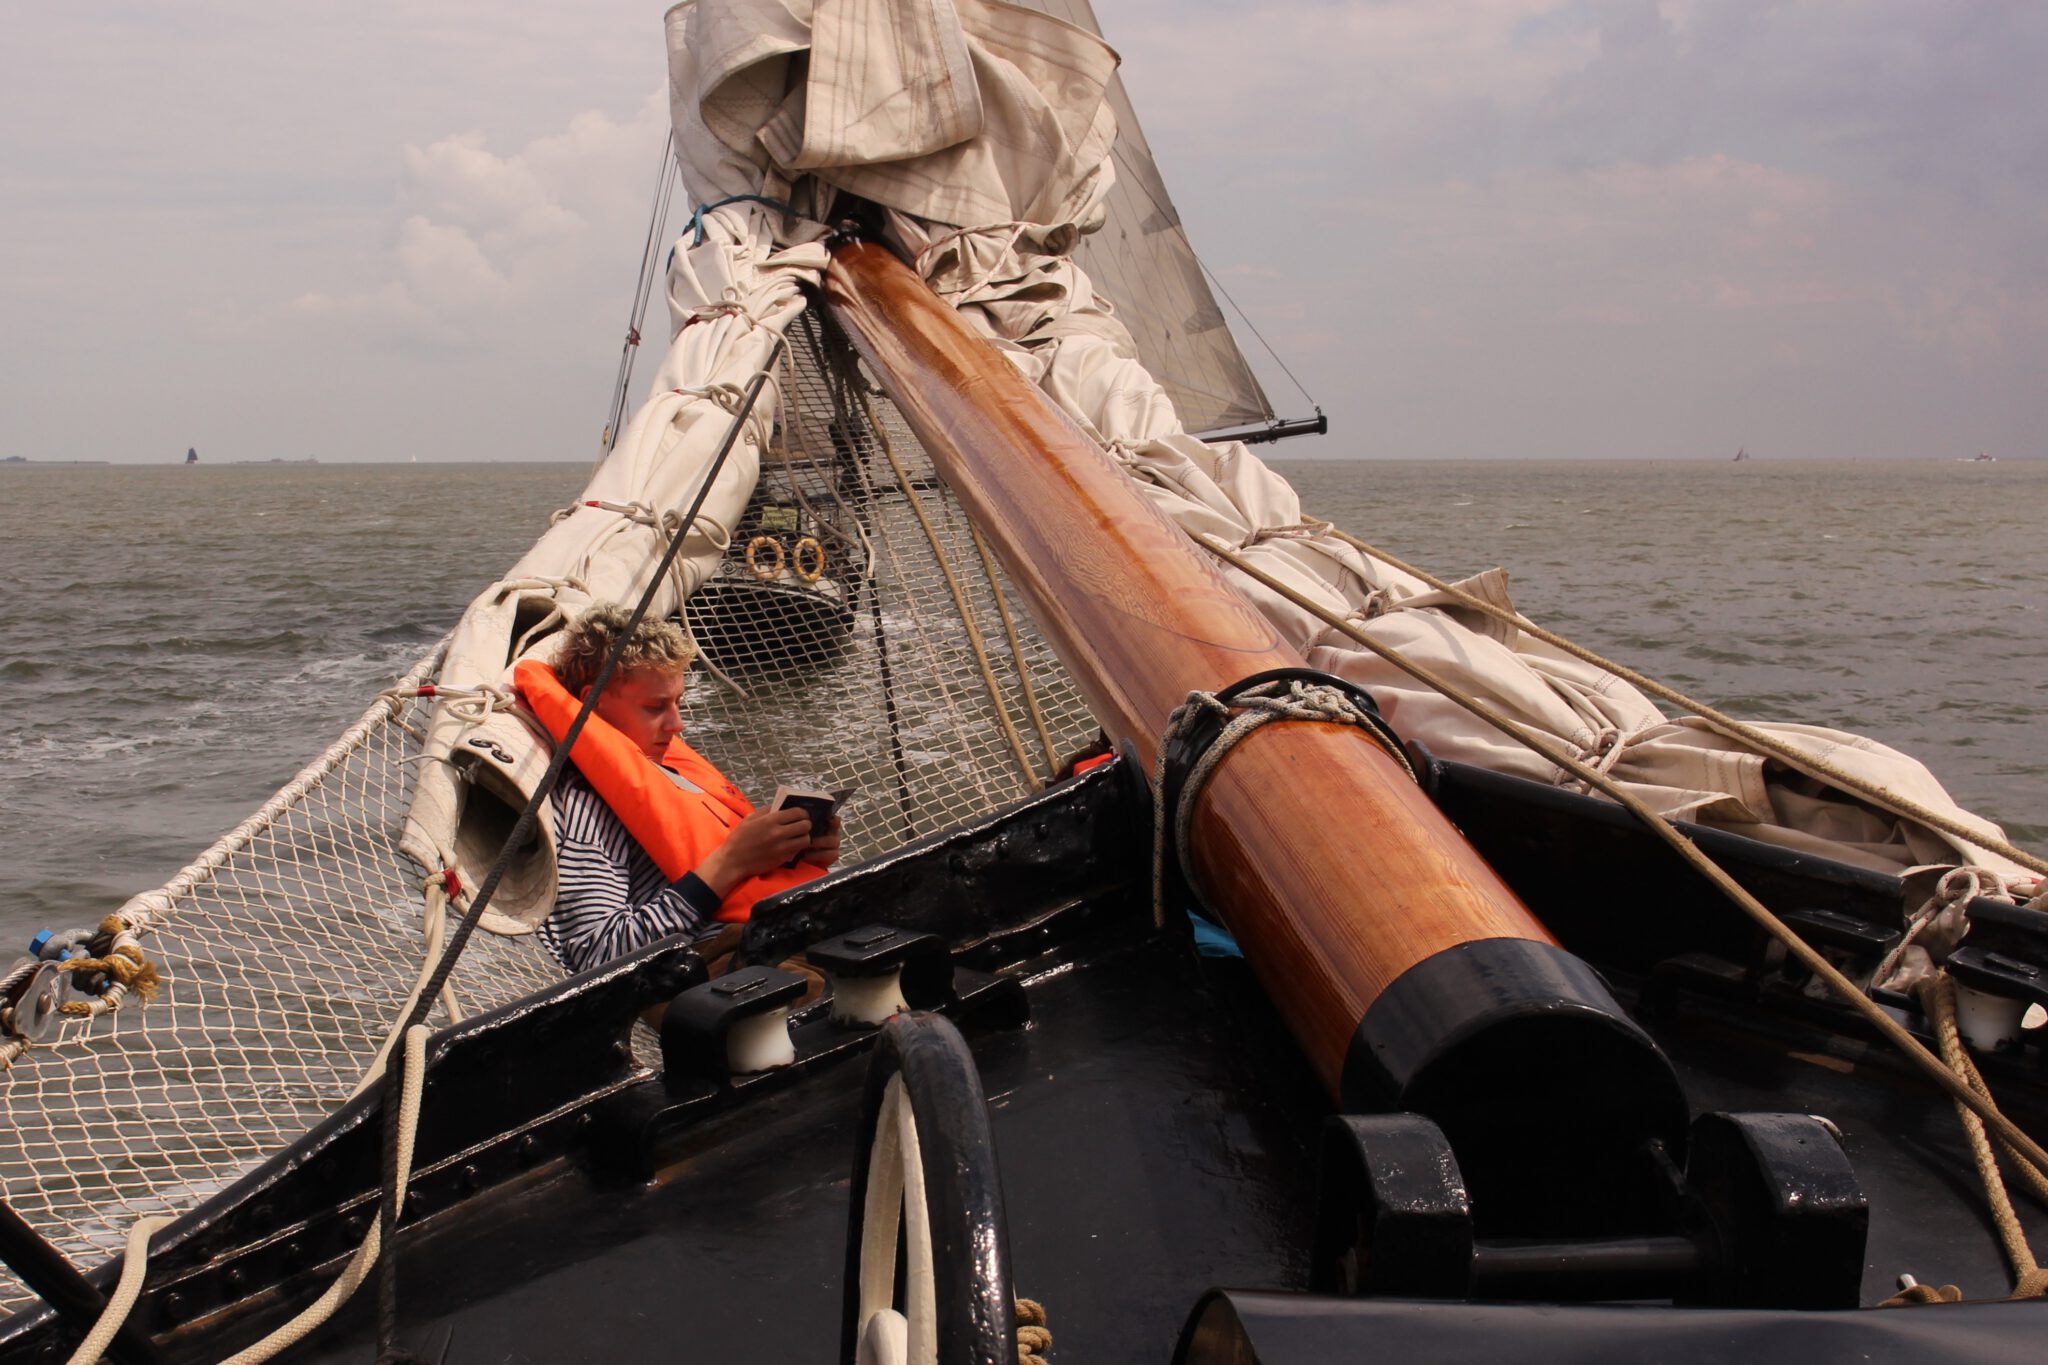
[824, 849]
[765, 840]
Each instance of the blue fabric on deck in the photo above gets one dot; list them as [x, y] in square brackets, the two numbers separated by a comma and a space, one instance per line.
[1212, 939]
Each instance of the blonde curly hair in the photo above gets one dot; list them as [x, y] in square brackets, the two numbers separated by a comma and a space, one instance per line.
[654, 644]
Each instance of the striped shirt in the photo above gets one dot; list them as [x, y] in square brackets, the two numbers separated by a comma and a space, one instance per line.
[610, 897]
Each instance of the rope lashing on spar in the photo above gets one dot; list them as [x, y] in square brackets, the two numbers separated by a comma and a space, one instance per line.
[470, 705]
[1290, 694]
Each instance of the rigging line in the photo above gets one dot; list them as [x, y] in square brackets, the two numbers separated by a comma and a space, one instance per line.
[1761, 740]
[1168, 213]
[1872, 1013]
[522, 830]
[643, 290]
[975, 641]
[841, 423]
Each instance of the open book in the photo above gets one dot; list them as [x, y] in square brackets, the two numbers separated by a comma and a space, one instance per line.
[819, 805]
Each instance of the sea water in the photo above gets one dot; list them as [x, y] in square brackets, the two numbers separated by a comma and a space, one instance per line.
[179, 641]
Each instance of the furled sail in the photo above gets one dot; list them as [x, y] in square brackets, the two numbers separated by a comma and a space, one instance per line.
[1142, 260]
[995, 223]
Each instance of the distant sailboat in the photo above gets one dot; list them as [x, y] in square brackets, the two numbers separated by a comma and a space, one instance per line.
[1742, 452]
[191, 454]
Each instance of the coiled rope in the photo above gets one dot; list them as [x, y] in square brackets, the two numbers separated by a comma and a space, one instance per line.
[1283, 699]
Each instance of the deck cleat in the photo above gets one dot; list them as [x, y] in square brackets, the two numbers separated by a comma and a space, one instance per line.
[731, 1026]
[875, 972]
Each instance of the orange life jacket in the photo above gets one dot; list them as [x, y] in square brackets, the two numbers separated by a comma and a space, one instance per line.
[678, 828]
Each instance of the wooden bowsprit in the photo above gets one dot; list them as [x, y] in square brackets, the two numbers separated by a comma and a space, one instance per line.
[1409, 973]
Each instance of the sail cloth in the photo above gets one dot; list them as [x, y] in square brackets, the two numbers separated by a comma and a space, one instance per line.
[797, 102]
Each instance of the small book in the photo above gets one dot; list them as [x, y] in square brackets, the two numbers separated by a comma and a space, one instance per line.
[819, 805]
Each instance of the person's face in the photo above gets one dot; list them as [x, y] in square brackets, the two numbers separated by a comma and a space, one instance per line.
[645, 706]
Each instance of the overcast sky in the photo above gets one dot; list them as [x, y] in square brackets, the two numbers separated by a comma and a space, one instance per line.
[1473, 228]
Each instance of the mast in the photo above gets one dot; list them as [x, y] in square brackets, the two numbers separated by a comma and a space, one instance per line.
[1406, 969]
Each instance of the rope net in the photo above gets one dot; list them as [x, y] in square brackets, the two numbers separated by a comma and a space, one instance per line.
[282, 973]
[871, 643]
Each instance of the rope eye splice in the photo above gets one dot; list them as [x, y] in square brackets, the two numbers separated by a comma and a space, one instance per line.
[1202, 730]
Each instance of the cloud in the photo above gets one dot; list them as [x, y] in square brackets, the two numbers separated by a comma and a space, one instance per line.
[476, 236]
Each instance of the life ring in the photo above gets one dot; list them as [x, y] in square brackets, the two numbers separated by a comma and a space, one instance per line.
[754, 565]
[796, 560]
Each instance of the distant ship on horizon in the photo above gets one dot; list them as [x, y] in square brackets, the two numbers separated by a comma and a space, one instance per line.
[1742, 453]
[191, 454]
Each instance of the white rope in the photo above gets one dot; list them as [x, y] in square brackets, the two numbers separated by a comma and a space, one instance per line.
[135, 1265]
[413, 1079]
[1261, 705]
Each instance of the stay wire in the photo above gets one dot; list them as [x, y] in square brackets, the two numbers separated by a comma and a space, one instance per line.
[522, 828]
[643, 291]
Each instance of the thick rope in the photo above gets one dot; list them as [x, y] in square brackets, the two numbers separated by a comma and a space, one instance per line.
[135, 1264]
[1726, 724]
[134, 1267]
[1938, 998]
[115, 966]
[1284, 699]
[1893, 1032]
[995, 588]
[1034, 1342]
[960, 603]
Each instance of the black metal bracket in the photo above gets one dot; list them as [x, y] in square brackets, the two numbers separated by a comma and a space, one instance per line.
[631, 1125]
[1767, 1213]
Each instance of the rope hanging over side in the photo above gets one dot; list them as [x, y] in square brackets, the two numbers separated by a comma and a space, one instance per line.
[1289, 699]
[135, 1263]
[2030, 1281]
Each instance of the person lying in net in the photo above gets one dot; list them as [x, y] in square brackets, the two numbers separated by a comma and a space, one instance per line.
[652, 840]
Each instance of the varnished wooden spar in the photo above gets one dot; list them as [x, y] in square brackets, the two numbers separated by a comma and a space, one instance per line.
[1336, 874]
